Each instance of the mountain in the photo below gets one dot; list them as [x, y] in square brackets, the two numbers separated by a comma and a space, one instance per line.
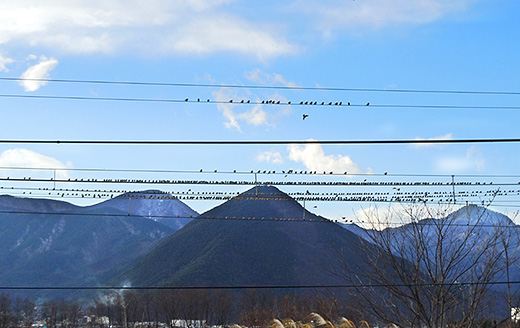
[11, 203]
[72, 249]
[261, 237]
[153, 204]
[468, 242]
[54, 243]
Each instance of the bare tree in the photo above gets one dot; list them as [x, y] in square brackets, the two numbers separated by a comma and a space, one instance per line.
[435, 270]
[25, 311]
[6, 313]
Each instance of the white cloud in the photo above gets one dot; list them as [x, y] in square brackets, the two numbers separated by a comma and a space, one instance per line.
[472, 161]
[151, 27]
[24, 158]
[376, 14]
[4, 61]
[314, 159]
[448, 136]
[397, 214]
[228, 34]
[270, 157]
[259, 76]
[255, 116]
[39, 71]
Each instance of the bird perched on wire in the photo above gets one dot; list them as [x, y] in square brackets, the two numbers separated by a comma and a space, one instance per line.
[305, 116]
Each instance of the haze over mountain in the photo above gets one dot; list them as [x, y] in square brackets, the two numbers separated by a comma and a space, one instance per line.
[252, 239]
[54, 243]
[474, 231]
[153, 204]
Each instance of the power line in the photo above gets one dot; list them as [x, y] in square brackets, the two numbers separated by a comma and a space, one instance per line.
[324, 104]
[238, 86]
[260, 142]
[416, 184]
[259, 172]
[313, 286]
[308, 219]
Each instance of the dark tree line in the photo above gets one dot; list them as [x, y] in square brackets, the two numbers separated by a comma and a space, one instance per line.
[190, 308]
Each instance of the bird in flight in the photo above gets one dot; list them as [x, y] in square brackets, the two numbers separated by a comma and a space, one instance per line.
[305, 116]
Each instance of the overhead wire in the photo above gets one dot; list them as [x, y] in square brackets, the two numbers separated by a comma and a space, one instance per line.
[325, 104]
[310, 286]
[261, 142]
[260, 172]
[163, 181]
[278, 87]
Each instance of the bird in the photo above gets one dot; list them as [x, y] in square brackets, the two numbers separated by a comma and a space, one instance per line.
[305, 116]
[186, 99]
[368, 104]
[348, 104]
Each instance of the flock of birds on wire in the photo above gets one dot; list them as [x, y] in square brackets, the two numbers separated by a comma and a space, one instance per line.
[278, 102]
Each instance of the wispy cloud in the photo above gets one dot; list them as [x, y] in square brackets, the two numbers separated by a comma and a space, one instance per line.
[473, 160]
[236, 114]
[448, 136]
[155, 27]
[24, 158]
[314, 159]
[333, 15]
[40, 71]
[4, 61]
[254, 116]
[228, 34]
[258, 76]
[270, 157]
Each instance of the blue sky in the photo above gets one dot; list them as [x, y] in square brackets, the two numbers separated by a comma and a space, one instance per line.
[377, 44]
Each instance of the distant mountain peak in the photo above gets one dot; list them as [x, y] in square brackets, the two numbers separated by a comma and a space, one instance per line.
[474, 214]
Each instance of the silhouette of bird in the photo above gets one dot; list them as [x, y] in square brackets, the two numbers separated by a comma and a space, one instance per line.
[368, 104]
[348, 103]
[242, 101]
[198, 99]
[186, 99]
[288, 103]
[248, 101]
[305, 116]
